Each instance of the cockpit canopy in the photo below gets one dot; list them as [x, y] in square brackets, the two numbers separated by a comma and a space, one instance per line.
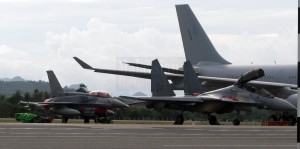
[102, 94]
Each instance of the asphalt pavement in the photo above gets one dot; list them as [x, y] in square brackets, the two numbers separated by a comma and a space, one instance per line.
[144, 136]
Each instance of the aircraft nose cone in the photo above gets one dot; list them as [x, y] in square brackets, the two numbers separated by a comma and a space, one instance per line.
[286, 106]
[118, 103]
[291, 106]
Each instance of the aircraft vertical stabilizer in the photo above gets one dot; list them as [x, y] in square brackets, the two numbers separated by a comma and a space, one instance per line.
[159, 82]
[197, 46]
[56, 89]
[191, 81]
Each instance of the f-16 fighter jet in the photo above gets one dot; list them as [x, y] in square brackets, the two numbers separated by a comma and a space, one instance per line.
[196, 99]
[95, 105]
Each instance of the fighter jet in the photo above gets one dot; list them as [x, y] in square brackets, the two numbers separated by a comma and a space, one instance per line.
[196, 99]
[95, 104]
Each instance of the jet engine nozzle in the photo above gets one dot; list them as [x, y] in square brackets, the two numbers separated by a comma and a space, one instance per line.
[250, 75]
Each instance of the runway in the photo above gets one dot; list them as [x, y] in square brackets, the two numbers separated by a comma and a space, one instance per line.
[144, 136]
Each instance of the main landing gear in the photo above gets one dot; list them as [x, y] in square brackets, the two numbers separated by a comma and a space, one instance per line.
[86, 120]
[212, 120]
[103, 120]
[236, 122]
[179, 120]
[64, 119]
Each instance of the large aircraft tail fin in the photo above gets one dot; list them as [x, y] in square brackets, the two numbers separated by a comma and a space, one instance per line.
[197, 46]
[191, 82]
[159, 82]
[56, 89]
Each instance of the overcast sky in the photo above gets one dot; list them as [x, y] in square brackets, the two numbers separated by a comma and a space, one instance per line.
[37, 36]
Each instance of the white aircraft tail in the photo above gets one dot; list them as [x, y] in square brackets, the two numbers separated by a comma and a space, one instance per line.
[197, 46]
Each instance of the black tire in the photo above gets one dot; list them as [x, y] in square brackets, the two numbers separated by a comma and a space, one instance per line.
[213, 120]
[236, 122]
[179, 120]
[292, 120]
[86, 120]
[101, 120]
[64, 120]
[108, 120]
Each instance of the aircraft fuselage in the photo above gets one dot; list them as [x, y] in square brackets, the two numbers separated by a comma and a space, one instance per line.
[273, 73]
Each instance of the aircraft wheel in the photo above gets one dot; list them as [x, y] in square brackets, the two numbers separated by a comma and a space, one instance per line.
[101, 120]
[213, 120]
[179, 120]
[64, 120]
[108, 120]
[292, 119]
[236, 122]
[86, 120]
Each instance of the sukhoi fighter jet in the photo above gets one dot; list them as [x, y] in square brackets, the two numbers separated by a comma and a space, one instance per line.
[234, 97]
[95, 105]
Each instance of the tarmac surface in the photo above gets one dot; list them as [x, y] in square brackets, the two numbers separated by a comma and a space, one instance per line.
[144, 136]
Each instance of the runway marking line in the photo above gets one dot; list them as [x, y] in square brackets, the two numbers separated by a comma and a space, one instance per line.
[225, 145]
[143, 137]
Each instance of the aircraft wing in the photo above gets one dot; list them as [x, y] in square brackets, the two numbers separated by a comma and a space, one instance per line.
[261, 84]
[165, 99]
[192, 100]
[117, 72]
[74, 103]
[32, 104]
[40, 104]
[214, 81]
[130, 101]
[170, 70]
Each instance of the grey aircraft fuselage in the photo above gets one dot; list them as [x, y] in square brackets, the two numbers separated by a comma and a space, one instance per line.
[273, 73]
[84, 105]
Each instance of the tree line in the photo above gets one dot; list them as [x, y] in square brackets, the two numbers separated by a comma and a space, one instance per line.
[11, 105]
[8, 88]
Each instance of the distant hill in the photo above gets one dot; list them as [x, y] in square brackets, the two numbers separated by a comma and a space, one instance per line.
[10, 87]
[16, 78]
[139, 94]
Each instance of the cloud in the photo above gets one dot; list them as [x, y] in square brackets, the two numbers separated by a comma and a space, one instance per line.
[279, 46]
[38, 36]
[104, 45]
[14, 61]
